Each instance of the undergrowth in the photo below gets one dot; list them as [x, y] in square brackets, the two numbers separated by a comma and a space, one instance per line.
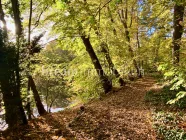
[168, 124]
[164, 96]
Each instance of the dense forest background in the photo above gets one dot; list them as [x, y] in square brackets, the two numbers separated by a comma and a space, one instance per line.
[59, 53]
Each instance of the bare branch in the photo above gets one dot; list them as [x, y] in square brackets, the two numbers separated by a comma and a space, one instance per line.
[100, 8]
[39, 17]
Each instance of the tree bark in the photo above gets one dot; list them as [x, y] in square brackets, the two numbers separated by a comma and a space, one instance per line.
[104, 49]
[14, 111]
[40, 107]
[10, 81]
[30, 22]
[106, 83]
[28, 106]
[178, 31]
[17, 19]
[12, 99]
[124, 17]
[104, 46]
[139, 46]
[29, 110]
[112, 20]
[13, 106]
[31, 83]
[2, 18]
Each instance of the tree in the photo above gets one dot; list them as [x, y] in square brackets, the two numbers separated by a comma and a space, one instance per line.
[123, 14]
[178, 31]
[10, 80]
[2, 18]
[17, 20]
[51, 81]
[31, 83]
[106, 83]
[11, 97]
[103, 44]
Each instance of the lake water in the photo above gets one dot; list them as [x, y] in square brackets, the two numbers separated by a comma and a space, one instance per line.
[4, 126]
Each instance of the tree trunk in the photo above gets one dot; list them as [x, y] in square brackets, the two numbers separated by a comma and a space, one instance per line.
[10, 81]
[17, 20]
[19, 31]
[123, 18]
[40, 107]
[112, 20]
[16, 14]
[13, 105]
[178, 31]
[131, 51]
[29, 108]
[104, 49]
[106, 83]
[14, 111]
[104, 44]
[2, 18]
[51, 104]
[12, 100]
[139, 46]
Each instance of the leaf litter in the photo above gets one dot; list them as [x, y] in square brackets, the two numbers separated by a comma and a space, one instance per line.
[120, 115]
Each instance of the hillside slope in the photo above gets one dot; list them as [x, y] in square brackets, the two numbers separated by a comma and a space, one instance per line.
[123, 115]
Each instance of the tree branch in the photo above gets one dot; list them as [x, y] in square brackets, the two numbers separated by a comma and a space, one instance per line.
[100, 8]
[39, 17]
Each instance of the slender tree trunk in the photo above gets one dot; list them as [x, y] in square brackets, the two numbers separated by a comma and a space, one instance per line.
[104, 44]
[30, 23]
[112, 20]
[131, 51]
[28, 106]
[124, 17]
[104, 49]
[2, 18]
[17, 20]
[29, 109]
[51, 104]
[178, 31]
[139, 46]
[40, 107]
[10, 81]
[109, 60]
[13, 106]
[31, 83]
[106, 83]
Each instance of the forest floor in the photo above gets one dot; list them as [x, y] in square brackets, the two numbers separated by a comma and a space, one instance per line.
[121, 115]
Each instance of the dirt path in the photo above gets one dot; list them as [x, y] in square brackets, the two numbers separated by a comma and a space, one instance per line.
[123, 115]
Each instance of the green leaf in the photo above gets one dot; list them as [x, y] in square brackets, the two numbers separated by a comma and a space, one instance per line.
[179, 96]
